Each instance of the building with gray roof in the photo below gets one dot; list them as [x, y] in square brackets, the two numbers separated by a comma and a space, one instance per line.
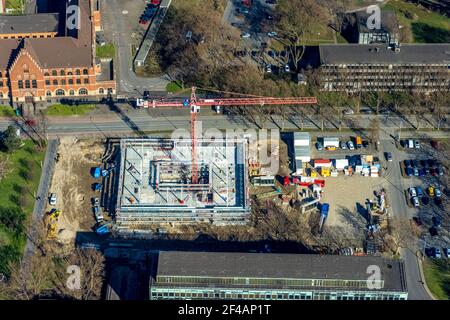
[20, 26]
[217, 275]
[379, 67]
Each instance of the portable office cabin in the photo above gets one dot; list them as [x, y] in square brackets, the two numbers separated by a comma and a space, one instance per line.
[302, 139]
[331, 142]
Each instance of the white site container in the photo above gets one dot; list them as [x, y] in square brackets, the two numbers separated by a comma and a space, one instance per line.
[341, 164]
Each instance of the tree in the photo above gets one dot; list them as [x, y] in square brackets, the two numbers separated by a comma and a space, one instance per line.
[10, 139]
[5, 168]
[375, 130]
[299, 21]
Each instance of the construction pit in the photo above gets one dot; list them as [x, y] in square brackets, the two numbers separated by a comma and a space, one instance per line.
[155, 183]
[72, 184]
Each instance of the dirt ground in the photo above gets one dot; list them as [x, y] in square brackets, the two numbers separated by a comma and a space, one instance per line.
[72, 181]
[347, 196]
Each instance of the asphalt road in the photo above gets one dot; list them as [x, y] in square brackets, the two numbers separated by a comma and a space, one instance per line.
[121, 29]
[166, 120]
[401, 211]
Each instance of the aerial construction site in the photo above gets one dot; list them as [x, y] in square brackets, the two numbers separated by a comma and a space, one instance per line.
[155, 182]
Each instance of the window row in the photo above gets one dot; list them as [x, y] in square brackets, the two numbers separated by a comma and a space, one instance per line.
[69, 73]
[63, 82]
[61, 92]
[28, 84]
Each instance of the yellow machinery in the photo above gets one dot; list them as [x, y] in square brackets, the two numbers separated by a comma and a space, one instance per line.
[254, 169]
[324, 172]
[52, 223]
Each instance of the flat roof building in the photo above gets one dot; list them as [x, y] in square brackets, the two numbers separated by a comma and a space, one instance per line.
[213, 275]
[379, 67]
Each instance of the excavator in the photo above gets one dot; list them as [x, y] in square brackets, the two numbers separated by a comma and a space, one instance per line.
[51, 220]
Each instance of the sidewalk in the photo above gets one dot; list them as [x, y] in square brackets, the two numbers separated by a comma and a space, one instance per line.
[41, 202]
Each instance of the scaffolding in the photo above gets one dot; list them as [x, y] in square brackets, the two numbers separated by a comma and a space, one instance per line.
[155, 183]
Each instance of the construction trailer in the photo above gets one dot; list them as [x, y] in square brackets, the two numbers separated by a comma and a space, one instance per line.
[331, 143]
[155, 182]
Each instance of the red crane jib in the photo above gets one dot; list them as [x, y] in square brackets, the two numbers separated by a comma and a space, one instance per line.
[238, 102]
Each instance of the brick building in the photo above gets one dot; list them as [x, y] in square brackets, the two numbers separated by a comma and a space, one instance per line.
[38, 67]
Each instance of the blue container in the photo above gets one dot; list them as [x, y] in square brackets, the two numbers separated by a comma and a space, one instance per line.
[97, 173]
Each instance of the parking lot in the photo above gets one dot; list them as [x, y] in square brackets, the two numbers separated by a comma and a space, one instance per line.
[258, 38]
[430, 190]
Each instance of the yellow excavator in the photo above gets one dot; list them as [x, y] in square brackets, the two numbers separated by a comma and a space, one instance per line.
[52, 223]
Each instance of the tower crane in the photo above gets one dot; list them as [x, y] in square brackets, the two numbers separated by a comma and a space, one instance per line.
[195, 104]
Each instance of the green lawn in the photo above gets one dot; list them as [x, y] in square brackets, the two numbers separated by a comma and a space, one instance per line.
[423, 26]
[69, 110]
[17, 190]
[437, 276]
[174, 86]
[16, 5]
[106, 51]
[6, 111]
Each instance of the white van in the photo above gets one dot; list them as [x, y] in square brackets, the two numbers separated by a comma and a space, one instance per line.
[411, 144]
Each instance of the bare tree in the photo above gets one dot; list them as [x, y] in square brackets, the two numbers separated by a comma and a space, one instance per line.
[298, 22]
[5, 168]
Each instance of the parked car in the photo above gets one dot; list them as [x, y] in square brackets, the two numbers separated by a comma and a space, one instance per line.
[348, 112]
[287, 68]
[350, 145]
[319, 146]
[415, 201]
[95, 202]
[365, 143]
[272, 34]
[416, 171]
[415, 163]
[268, 68]
[437, 192]
[245, 35]
[417, 144]
[422, 172]
[98, 214]
[440, 171]
[431, 191]
[436, 221]
[343, 145]
[433, 231]
[407, 163]
[52, 199]
[243, 11]
[409, 171]
[388, 156]
[419, 192]
[437, 253]
[446, 252]
[412, 192]
[433, 172]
